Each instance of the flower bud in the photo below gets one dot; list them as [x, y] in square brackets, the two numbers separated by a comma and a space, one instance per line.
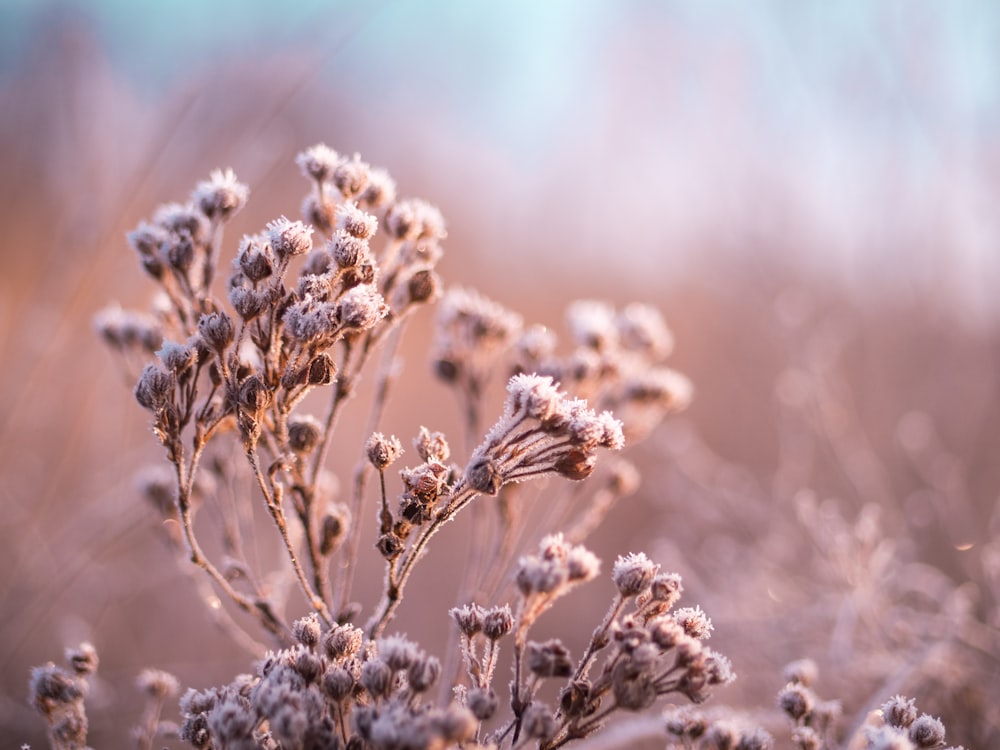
[82, 659]
[361, 307]
[382, 450]
[633, 573]
[347, 250]
[318, 162]
[221, 196]
[483, 475]
[306, 630]
[217, 330]
[497, 622]
[254, 395]
[469, 618]
[322, 370]
[248, 303]
[351, 177]
[304, 433]
[155, 388]
[289, 238]
[356, 222]
[483, 703]
[255, 259]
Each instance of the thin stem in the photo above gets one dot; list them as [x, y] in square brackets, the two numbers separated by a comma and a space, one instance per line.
[394, 593]
[362, 471]
[258, 609]
[278, 515]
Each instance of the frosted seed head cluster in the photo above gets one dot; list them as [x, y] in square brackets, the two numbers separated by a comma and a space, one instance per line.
[310, 307]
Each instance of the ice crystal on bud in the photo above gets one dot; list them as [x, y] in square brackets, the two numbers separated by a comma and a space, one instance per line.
[318, 162]
[355, 222]
[382, 450]
[288, 238]
[633, 573]
[221, 196]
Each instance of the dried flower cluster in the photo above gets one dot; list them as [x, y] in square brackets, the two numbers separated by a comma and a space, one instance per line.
[309, 305]
[647, 650]
[312, 306]
[896, 725]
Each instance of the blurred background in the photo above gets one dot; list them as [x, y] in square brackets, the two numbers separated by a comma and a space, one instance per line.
[808, 191]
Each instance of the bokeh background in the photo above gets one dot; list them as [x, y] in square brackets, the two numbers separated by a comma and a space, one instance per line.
[807, 190]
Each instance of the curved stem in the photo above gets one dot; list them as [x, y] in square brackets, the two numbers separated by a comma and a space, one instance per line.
[394, 591]
[278, 515]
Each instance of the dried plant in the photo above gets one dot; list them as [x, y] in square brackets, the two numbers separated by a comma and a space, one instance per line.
[314, 306]
[246, 391]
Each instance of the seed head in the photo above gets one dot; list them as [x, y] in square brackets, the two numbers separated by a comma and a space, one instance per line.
[318, 212]
[216, 330]
[582, 564]
[178, 358]
[318, 162]
[255, 258]
[249, 303]
[361, 307]
[899, 712]
[926, 732]
[355, 222]
[806, 738]
[432, 446]
[347, 250]
[337, 683]
[221, 196]
[381, 188]
[469, 618]
[549, 659]
[538, 722]
[182, 220]
[288, 238]
[423, 673]
[335, 522]
[803, 671]
[146, 240]
[351, 177]
[376, 678]
[342, 641]
[82, 659]
[666, 388]
[382, 450]
[304, 433]
[155, 388]
[695, 622]
[497, 622]
[796, 700]
[254, 395]
[157, 684]
[483, 703]
[592, 324]
[321, 370]
[641, 328]
[633, 573]
[483, 475]
[306, 630]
